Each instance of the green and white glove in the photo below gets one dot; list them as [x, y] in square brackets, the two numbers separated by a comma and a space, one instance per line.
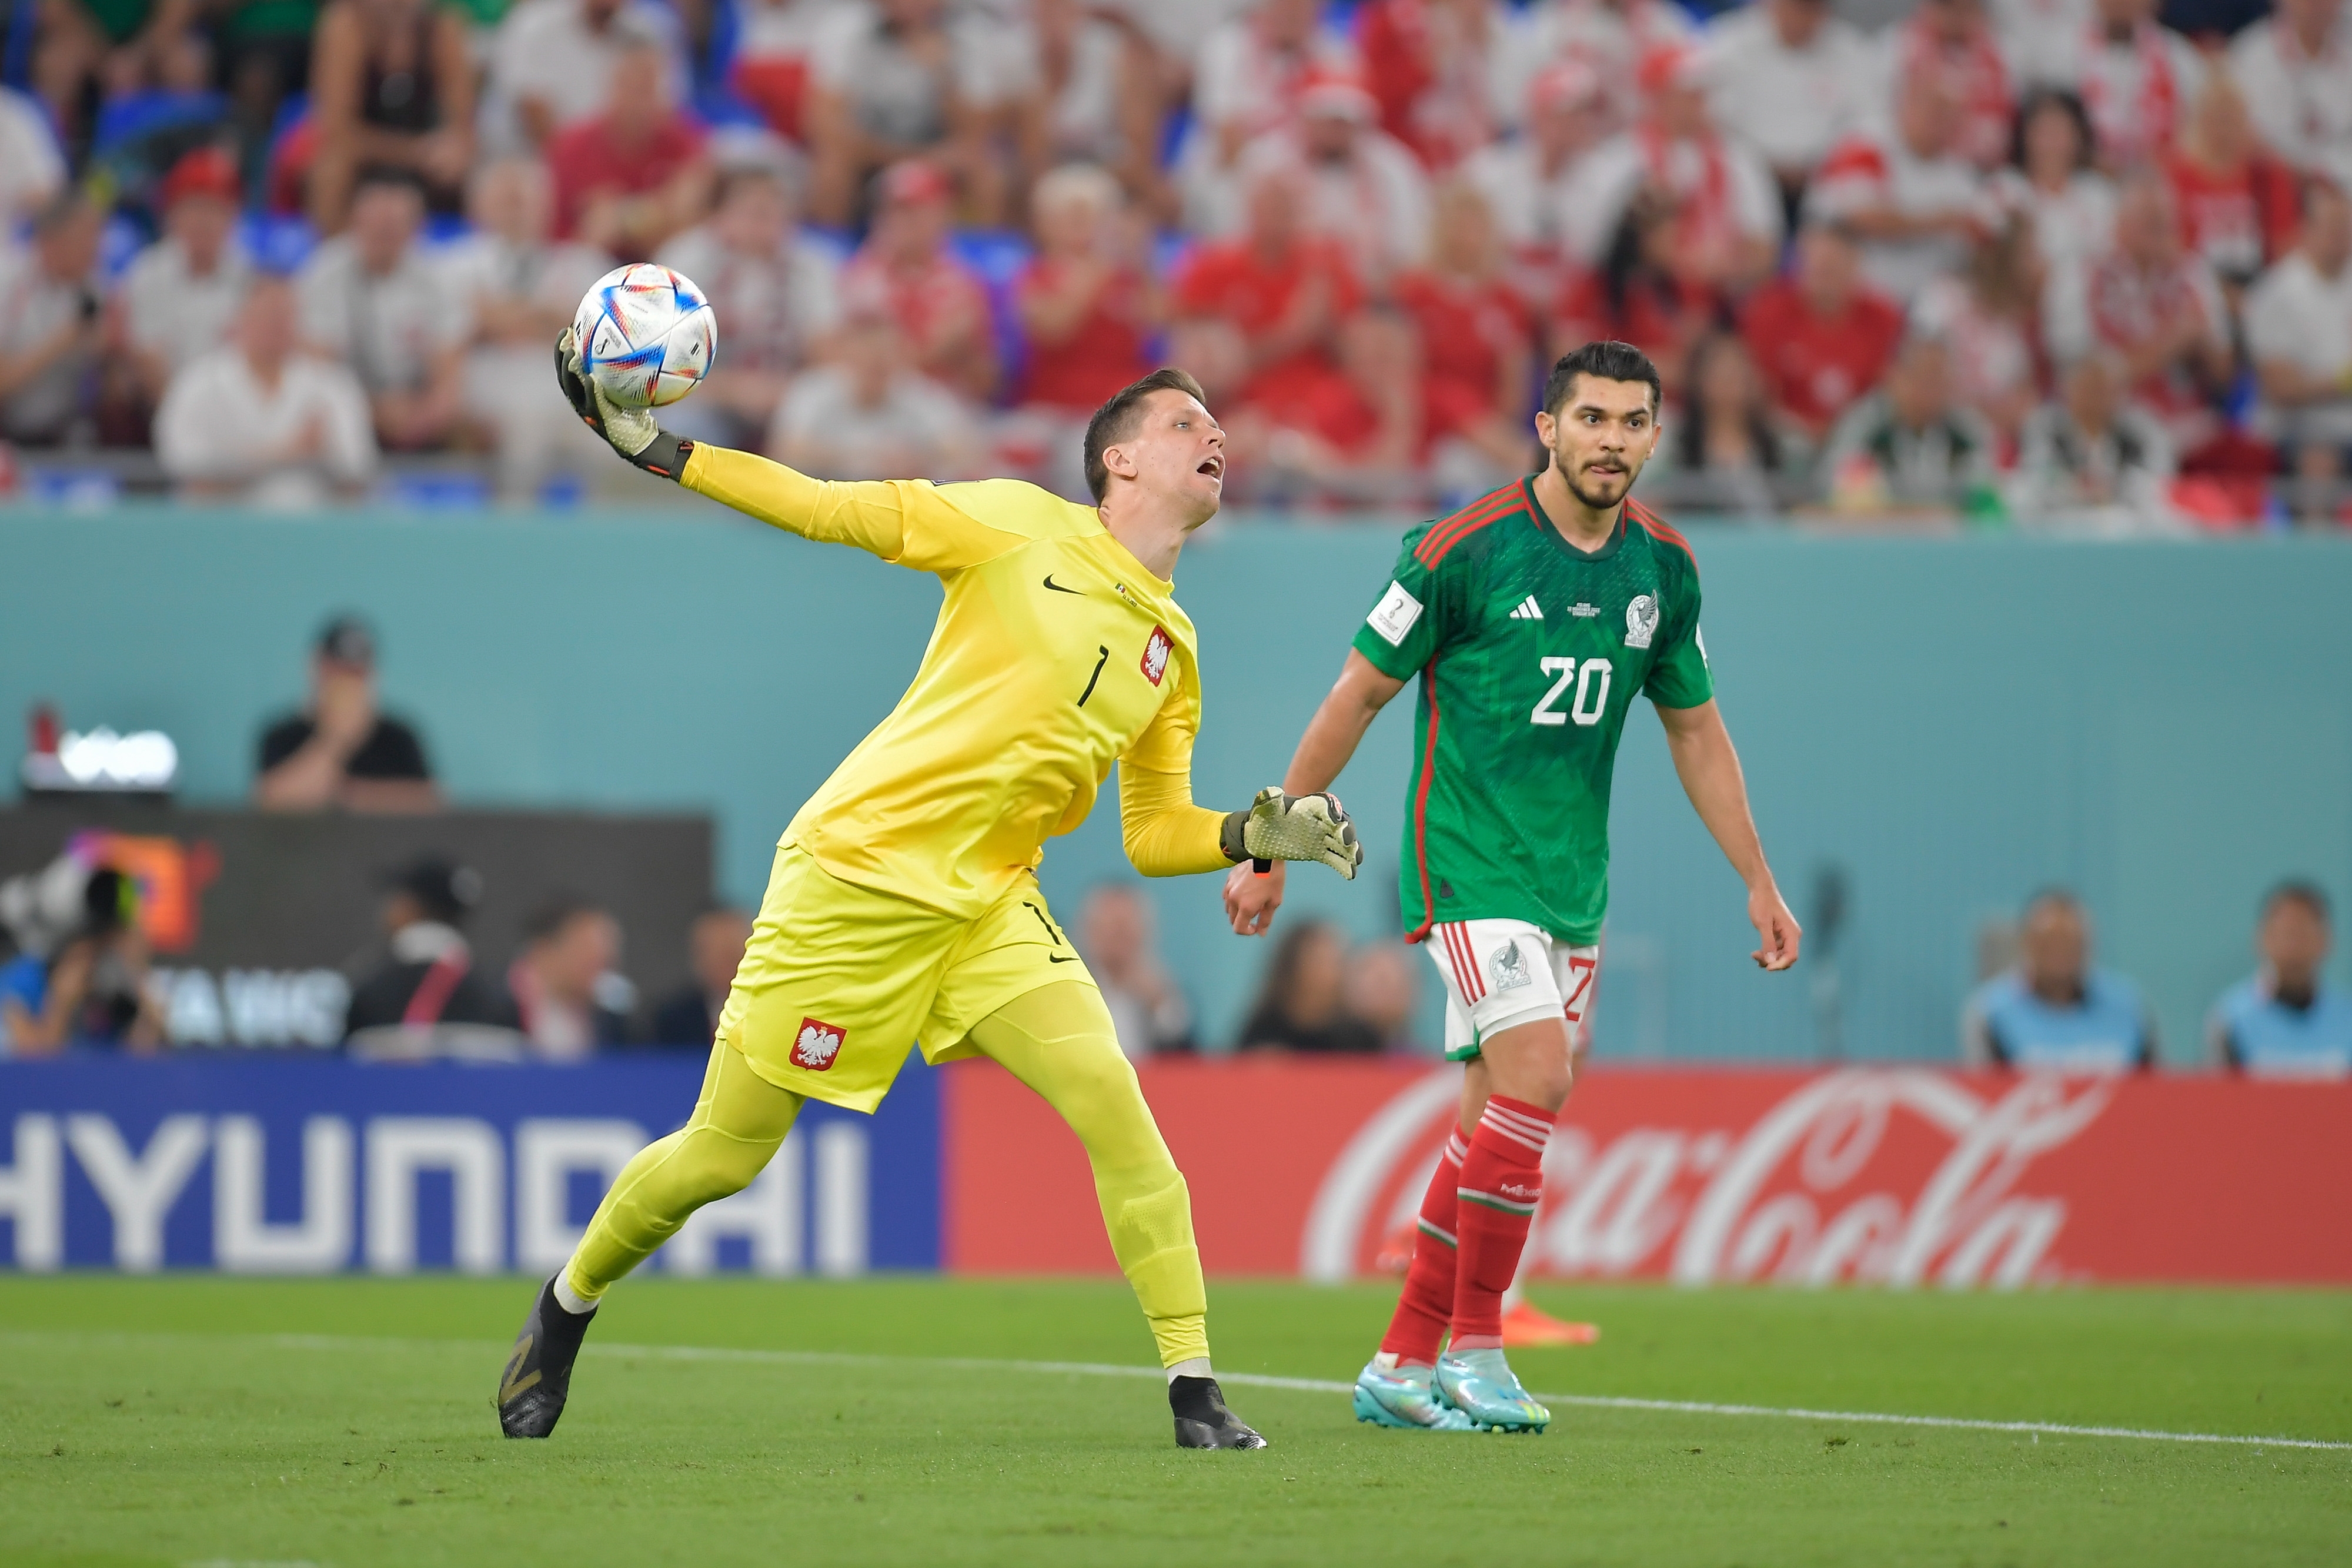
[1279, 827]
[631, 432]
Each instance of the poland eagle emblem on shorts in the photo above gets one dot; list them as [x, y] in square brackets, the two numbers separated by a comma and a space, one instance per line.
[818, 1043]
[1640, 620]
[1155, 655]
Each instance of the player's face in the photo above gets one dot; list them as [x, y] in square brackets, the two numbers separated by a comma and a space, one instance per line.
[1179, 451]
[1602, 435]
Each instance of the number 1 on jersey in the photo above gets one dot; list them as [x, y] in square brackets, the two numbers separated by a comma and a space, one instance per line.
[1592, 700]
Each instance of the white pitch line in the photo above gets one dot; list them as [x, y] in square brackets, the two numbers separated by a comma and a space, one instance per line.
[1238, 1379]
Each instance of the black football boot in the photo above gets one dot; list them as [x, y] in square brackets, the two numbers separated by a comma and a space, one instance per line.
[1201, 1419]
[538, 1372]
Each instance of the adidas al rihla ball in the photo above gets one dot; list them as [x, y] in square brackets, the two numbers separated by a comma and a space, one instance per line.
[646, 335]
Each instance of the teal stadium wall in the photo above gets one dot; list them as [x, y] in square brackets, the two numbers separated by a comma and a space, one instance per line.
[1955, 721]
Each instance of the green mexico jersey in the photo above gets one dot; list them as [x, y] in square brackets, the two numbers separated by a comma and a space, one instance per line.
[1530, 653]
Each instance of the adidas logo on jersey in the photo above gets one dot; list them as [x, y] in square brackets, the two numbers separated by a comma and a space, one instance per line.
[1529, 610]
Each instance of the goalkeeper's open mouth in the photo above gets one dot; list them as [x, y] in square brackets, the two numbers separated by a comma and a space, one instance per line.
[1213, 465]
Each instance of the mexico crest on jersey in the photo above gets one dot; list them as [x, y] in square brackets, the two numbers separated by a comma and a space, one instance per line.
[817, 1045]
[1507, 967]
[1640, 620]
[1155, 655]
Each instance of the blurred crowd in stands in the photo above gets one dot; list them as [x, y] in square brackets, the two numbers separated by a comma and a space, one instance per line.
[1940, 259]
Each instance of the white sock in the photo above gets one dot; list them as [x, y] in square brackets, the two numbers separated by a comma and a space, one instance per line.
[1196, 1367]
[570, 1300]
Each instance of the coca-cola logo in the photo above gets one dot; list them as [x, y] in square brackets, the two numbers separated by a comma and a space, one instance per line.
[1889, 1176]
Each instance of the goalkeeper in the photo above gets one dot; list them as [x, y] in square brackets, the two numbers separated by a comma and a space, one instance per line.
[903, 908]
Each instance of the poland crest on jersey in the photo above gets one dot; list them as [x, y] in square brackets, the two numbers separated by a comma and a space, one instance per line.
[1507, 967]
[1155, 655]
[818, 1043]
[1640, 620]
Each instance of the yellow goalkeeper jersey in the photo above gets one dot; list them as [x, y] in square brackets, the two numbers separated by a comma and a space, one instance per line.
[1056, 653]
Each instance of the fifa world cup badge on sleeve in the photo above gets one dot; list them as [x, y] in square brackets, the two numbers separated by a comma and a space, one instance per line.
[1393, 616]
[818, 1044]
[1155, 655]
[1640, 621]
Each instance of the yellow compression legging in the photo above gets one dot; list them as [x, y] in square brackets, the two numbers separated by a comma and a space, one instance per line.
[1058, 1040]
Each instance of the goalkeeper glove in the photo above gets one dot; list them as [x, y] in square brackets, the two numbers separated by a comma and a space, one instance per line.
[1279, 827]
[631, 432]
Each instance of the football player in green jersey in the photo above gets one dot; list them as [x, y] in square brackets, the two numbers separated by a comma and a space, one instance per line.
[1531, 617]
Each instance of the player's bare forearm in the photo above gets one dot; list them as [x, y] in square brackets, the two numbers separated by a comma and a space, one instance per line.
[1709, 767]
[1252, 897]
[1338, 724]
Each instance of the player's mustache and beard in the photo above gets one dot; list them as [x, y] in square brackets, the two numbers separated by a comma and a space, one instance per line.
[1610, 484]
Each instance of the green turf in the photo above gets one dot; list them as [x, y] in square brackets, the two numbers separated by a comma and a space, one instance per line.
[159, 1421]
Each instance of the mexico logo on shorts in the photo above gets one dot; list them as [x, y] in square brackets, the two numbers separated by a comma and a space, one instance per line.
[1508, 968]
[818, 1044]
[1155, 655]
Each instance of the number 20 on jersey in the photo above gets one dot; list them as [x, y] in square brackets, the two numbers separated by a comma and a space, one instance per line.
[1591, 699]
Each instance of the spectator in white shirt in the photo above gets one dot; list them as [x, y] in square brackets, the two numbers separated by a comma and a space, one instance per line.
[1526, 180]
[869, 416]
[2299, 334]
[552, 64]
[2092, 453]
[1362, 188]
[2136, 79]
[892, 80]
[258, 421]
[1085, 89]
[371, 299]
[32, 169]
[777, 299]
[1791, 79]
[2069, 203]
[1116, 932]
[1245, 83]
[516, 289]
[775, 56]
[2040, 38]
[2296, 69]
[1917, 206]
[1614, 36]
[49, 332]
[182, 293]
[1727, 202]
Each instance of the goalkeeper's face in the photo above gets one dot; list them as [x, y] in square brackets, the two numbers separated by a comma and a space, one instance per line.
[1603, 433]
[1178, 450]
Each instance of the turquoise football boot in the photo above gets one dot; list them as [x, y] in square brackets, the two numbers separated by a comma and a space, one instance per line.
[1403, 1397]
[1480, 1384]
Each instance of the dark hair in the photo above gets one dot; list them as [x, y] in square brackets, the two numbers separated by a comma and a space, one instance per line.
[1116, 420]
[1604, 360]
[2086, 143]
[391, 176]
[110, 901]
[2057, 897]
[2297, 891]
[549, 919]
[1690, 424]
[1269, 1014]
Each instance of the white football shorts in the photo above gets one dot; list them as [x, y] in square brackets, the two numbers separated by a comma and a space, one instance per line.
[1500, 974]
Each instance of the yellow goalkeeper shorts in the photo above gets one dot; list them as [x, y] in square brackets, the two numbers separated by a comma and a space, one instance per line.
[838, 981]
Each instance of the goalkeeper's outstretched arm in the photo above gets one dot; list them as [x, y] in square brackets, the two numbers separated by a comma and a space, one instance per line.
[871, 515]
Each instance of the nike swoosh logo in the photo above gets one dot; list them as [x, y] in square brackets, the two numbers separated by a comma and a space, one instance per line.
[1059, 589]
[1072, 958]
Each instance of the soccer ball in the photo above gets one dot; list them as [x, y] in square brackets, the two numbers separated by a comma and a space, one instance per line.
[646, 335]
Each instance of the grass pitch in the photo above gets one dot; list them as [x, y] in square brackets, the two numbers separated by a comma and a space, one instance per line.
[348, 1422]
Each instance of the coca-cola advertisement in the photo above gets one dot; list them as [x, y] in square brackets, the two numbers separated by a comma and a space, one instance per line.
[1891, 1176]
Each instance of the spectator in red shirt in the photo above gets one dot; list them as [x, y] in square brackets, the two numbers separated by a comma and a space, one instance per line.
[2237, 202]
[1086, 303]
[1435, 66]
[1283, 292]
[1361, 437]
[633, 177]
[1822, 338]
[1477, 338]
[940, 304]
[1642, 293]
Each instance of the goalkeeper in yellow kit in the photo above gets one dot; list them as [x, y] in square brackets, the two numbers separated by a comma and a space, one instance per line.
[903, 908]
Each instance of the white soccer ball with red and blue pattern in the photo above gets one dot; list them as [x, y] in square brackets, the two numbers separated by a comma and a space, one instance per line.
[646, 335]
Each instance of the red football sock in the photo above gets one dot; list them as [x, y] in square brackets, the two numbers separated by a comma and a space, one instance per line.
[1427, 1304]
[1502, 1179]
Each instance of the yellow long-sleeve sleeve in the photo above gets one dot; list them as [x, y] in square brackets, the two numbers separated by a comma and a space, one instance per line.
[1165, 834]
[909, 522]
